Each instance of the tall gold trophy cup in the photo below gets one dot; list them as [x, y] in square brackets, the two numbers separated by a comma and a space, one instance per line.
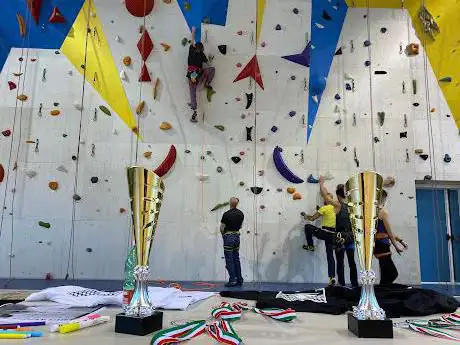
[364, 193]
[146, 193]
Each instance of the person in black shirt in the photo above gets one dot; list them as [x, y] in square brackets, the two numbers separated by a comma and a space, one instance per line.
[231, 223]
[196, 73]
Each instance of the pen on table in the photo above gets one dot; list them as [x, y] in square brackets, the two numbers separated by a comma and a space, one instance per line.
[32, 334]
[16, 328]
[55, 327]
[15, 336]
[82, 324]
[23, 324]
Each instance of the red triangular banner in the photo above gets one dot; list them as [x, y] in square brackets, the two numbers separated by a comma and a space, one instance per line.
[56, 16]
[35, 7]
[251, 70]
[145, 75]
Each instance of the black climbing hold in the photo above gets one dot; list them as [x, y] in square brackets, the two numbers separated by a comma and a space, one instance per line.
[57, 52]
[344, 149]
[209, 153]
[223, 49]
[338, 122]
[21, 59]
[256, 190]
[416, 104]
[241, 183]
[446, 80]
[403, 135]
[249, 133]
[295, 10]
[367, 63]
[64, 135]
[187, 151]
[376, 140]
[339, 51]
[292, 113]
[276, 72]
[447, 158]
[337, 96]
[56, 104]
[236, 159]
[383, 30]
[202, 158]
[293, 77]
[219, 169]
[424, 156]
[381, 117]
[326, 15]
[367, 43]
[428, 177]
[447, 115]
[348, 86]
[76, 197]
[94, 179]
[278, 27]
[89, 250]
[274, 129]
[249, 99]
[74, 158]
[380, 72]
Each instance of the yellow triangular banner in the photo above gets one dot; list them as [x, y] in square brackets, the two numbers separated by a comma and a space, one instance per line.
[101, 71]
[260, 17]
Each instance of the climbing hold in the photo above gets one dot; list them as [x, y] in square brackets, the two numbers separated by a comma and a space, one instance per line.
[165, 46]
[367, 63]
[418, 151]
[74, 158]
[380, 72]
[293, 77]
[249, 99]
[145, 75]
[348, 87]
[2, 173]
[62, 168]
[283, 168]
[184, 41]
[140, 107]
[446, 80]
[6, 133]
[389, 182]
[262, 207]
[403, 135]
[427, 177]
[241, 153]
[77, 105]
[220, 127]
[56, 16]
[105, 110]
[123, 76]
[412, 49]
[319, 26]
[22, 24]
[249, 133]
[295, 10]
[148, 154]
[274, 129]
[338, 122]
[241, 183]
[117, 38]
[127, 61]
[262, 139]
[219, 169]
[94, 179]
[311, 179]
[383, 30]
[122, 210]
[339, 52]
[261, 173]
[251, 70]
[44, 224]
[290, 190]
[165, 126]
[17, 74]
[55, 112]
[256, 190]
[89, 250]
[11, 85]
[416, 104]
[76, 197]
[278, 27]
[297, 196]
[447, 158]
[187, 151]
[236, 159]
[433, 110]
[167, 163]
[22, 98]
[156, 88]
[263, 44]
[381, 117]
[53, 185]
[223, 49]
[218, 206]
[326, 15]
[424, 156]
[367, 43]
[30, 173]
[139, 8]
[56, 104]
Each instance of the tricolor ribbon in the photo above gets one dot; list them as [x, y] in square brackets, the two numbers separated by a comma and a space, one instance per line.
[436, 327]
[178, 334]
[283, 315]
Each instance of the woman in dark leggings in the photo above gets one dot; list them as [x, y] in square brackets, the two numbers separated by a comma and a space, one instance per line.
[384, 238]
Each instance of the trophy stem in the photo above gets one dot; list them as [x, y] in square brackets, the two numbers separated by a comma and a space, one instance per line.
[140, 303]
[368, 307]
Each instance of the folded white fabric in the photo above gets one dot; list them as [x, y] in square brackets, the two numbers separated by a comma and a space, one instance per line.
[77, 296]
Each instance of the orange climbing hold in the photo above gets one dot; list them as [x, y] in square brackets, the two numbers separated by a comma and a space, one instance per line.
[433, 110]
[148, 154]
[22, 24]
[127, 61]
[165, 46]
[53, 185]
[140, 108]
[22, 98]
[55, 112]
[165, 126]
[291, 190]
[156, 88]
[297, 196]
[412, 49]
[122, 210]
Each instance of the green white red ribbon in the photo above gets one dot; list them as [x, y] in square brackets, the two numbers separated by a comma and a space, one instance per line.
[437, 327]
[223, 332]
[178, 334]
[283, 315]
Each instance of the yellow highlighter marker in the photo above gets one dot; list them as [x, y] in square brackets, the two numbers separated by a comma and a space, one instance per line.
[14, 336]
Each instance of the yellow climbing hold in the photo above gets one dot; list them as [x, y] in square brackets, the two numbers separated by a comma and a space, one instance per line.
[291, 190]
[165, 46]
[22, 98]
[127, 61]
[53, 185]
[140, 108]
[55, 112]
[165, 126]
[148, 154]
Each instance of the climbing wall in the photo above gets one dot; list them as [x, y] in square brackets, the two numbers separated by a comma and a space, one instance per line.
[66, 207]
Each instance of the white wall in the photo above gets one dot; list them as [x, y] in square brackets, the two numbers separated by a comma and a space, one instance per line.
[187, 244]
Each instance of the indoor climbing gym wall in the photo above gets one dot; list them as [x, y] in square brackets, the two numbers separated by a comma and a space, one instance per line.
[302, 88]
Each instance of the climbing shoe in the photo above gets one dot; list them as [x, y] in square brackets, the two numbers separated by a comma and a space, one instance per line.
[331, 281]
[194, 117]
[209, 93]
[309, 248]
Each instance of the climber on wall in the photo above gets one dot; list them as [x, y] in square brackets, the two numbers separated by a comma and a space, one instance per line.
[231, 223]
[197, 74]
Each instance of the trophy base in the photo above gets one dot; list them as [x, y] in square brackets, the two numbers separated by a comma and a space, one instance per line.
[382, 329]
[135, 325]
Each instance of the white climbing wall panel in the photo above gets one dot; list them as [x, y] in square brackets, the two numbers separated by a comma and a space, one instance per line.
[91, 241]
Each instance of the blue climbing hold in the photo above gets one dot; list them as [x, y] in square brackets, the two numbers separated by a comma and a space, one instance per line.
[348, 86]
[337, 96]
[367, 43]
[311, 179]
[274, 129]
[292, 113]
[367, 63]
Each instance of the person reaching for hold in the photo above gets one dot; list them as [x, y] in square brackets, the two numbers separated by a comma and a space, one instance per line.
[197, 74]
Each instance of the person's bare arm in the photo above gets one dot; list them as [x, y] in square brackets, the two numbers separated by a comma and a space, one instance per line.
[222, 228]
[325, 194]
[193, 35]
[310, 218]
[384, 217]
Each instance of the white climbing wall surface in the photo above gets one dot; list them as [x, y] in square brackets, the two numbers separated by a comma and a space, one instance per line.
[89, 238]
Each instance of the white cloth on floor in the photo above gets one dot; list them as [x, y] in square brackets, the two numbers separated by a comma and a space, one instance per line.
[77, 296]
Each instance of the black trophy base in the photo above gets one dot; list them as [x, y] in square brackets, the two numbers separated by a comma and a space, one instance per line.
[370, 328]
[136, 325]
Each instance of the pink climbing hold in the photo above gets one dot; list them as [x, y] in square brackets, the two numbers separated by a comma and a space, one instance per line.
[263, 44]
[241, 153]
[240, 33]
[239, 65]
[237, 99]
[6, 133]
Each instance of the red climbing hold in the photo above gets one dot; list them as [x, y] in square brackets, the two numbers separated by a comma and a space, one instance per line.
[2, 173]
[139, 8]
[35, 7]
[145, 45]
[6, 133]
[145, 75]
[11, 85]
[251, 70]
[56, 16]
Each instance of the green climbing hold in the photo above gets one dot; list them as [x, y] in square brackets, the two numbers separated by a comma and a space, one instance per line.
[187, 6]
[105, 110]
[184, 41]
[215, 208]
[220, 127]
[446, 80]
[209, 93]
[44, 225]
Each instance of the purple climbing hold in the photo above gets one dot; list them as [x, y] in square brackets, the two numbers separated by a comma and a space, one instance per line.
[311, 179]
[293, 77]
[274, 129]
[367, 63]
[292, 113]
[339, 51]
[367, 43]
[337, 96]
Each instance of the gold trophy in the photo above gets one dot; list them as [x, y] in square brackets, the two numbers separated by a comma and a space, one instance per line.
[146, 193]
[364, 193]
